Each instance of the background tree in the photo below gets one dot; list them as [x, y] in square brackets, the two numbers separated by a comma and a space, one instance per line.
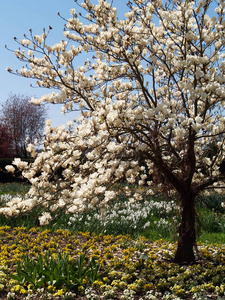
[25, 121]
[6, 142]
[152, 90]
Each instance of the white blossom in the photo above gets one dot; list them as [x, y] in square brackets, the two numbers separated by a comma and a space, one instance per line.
[45, 218]
[10, 168]
[19, 163]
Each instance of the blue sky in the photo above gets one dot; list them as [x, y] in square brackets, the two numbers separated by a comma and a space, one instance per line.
[16, 18]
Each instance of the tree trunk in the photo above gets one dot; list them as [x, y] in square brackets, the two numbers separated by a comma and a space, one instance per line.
[187, 236]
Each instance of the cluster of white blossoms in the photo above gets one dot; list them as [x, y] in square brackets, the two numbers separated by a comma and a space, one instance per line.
[151, 96]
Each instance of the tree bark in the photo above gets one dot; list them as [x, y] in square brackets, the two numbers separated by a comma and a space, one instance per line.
[187, 236]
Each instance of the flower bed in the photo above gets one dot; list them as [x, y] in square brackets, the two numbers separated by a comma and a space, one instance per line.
[129, 268]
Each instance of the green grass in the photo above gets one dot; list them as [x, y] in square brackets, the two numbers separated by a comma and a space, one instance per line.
[212, 238]
[14, 188]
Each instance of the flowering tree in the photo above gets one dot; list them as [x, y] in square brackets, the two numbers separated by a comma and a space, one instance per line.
[25, 121]
[150, 92]
[6, 144]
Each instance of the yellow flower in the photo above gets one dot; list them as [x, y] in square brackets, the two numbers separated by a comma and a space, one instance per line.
[122, 285]
[80, 288]
[105, 279]
[98, 283]
[148, 287]
[194, 289]
[60, 293]
[208, 287]
[133, 287]
[220, 289]
[23, 291]
[177, 290]
[113, 274]
[51, 288]
[16, 288]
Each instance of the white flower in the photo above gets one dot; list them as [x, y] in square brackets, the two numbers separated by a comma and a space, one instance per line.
[45, 218]
[10, 168]
[70, 123]
[61, 203]
[218, 44]
[48, 122]
[73, 11]
[111, 147]
[109, 195]
[30, 52]
[19, 163]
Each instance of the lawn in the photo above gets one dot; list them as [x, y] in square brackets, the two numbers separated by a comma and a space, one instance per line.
[121, 253]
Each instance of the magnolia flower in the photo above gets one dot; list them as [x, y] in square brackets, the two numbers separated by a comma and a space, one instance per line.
[10, 168]
[112, 147]
[73, 11]
[109, 195]
[19, 163]
[30, 52]
[45, 218]
[61, 203]
[9, 211]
